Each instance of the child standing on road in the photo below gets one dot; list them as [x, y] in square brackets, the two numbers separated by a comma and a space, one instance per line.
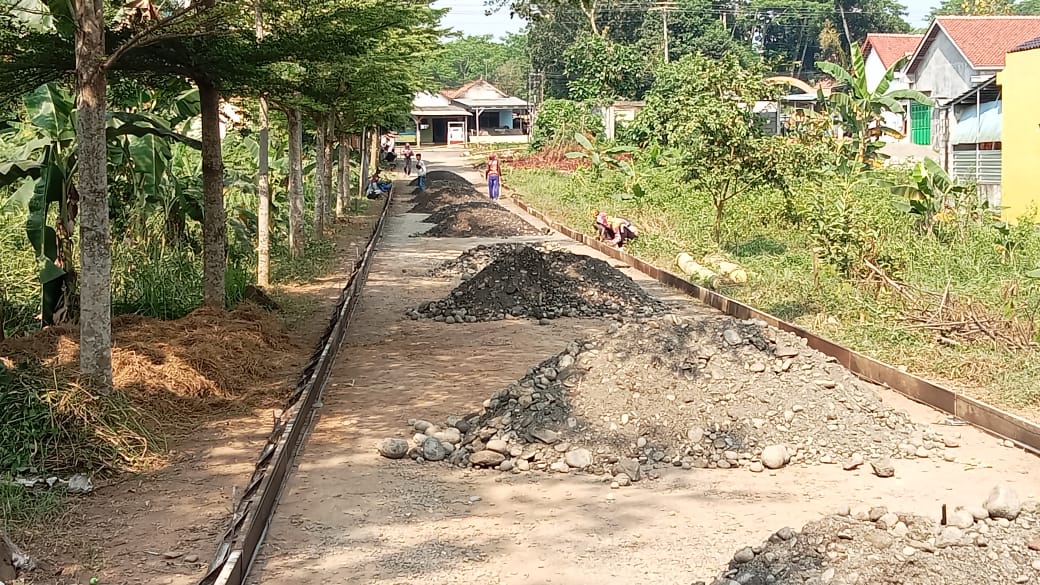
[420, 172]
[407, 154]
[493, 175]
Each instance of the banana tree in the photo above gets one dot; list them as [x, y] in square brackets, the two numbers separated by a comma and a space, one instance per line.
[42, 173]
[930, 192]
[860, 110]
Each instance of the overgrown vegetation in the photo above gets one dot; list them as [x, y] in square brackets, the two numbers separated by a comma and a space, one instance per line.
[901, 263]
[196, 157]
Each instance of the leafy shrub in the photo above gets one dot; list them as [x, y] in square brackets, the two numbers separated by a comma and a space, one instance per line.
[559, 120]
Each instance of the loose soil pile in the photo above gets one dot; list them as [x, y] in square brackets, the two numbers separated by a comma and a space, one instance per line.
[993, 544]
[472, 261]
[477, 219]
[707, 393]
[544, 285]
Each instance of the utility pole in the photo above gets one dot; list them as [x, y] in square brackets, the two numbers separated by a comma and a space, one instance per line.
[664, 7]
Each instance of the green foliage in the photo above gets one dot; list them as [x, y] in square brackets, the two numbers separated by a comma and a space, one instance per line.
[860, 111]
[59, 430]
[602, 156]
[929, 192]
[559, 120]
[700, 108]
[602, 70]
[504, 64]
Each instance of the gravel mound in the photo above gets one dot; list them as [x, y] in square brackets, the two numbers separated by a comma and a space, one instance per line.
[442, 177]
[706, 393]
[869, 546]
[434, 200]
[477, 219]
[472, 261]
[544, 285]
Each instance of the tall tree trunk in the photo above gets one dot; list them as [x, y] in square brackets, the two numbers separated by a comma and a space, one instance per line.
[214, 228]
[374, 150]
[297, 241]
[321, 196]
[263, 186]
[363, 173]
[263, 215]
[343, 182]
[326, 154]
[95, 356]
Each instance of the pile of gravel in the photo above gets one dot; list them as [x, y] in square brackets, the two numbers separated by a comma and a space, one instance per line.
[475, 259]
[713, 393]
[477, 219]
[996, 543]
[442, 177]
[435, 199]
[526, 282]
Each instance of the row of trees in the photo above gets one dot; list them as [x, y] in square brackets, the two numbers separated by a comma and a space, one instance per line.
[345, 67]
[609, 49]
[630, 37]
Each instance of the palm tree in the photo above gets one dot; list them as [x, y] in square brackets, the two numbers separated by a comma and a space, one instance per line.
[860, 110]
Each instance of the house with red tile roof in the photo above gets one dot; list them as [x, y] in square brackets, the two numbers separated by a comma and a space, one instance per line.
[883, 50]
[959, 52]
[956, 64]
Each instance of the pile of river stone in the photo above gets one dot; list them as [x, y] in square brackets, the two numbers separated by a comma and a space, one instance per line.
[711, 392]
[475, 259]
[996, 543]
[527, 282]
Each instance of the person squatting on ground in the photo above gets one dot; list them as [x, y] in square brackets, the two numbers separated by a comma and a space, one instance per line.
[493, 175]
[377, 186]
[616, 230]
[407, 155]
[420, 172]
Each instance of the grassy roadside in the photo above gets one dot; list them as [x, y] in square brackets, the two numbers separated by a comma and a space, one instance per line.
[786, 282]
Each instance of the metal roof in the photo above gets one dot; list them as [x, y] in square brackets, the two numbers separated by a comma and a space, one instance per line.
[982, 124]
[505, 103]
[434, 111]
[987, 91]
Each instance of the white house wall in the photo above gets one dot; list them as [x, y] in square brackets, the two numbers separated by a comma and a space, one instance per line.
[876, 70]
[943, 73]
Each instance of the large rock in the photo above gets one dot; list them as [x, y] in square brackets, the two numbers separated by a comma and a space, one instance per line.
[433, 450]
[393, 448]
[547, 436]
[629, 467]
[579, 458]
[960, 518]
[449, 435]
[775, 456]
[883, 467]
[498, 446]
[486, 458]
[1003, 502]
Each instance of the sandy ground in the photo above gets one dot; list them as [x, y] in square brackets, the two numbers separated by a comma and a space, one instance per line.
[349, 516]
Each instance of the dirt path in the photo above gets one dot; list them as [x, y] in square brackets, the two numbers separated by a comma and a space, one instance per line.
[349, 516]
[160, 527]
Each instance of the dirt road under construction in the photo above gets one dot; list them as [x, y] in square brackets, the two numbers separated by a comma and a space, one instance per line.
[349, 515]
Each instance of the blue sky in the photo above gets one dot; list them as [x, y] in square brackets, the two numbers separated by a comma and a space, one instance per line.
[468, 16]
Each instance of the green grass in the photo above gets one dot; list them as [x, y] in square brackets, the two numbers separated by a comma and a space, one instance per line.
[775, 247]
[22, 508]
